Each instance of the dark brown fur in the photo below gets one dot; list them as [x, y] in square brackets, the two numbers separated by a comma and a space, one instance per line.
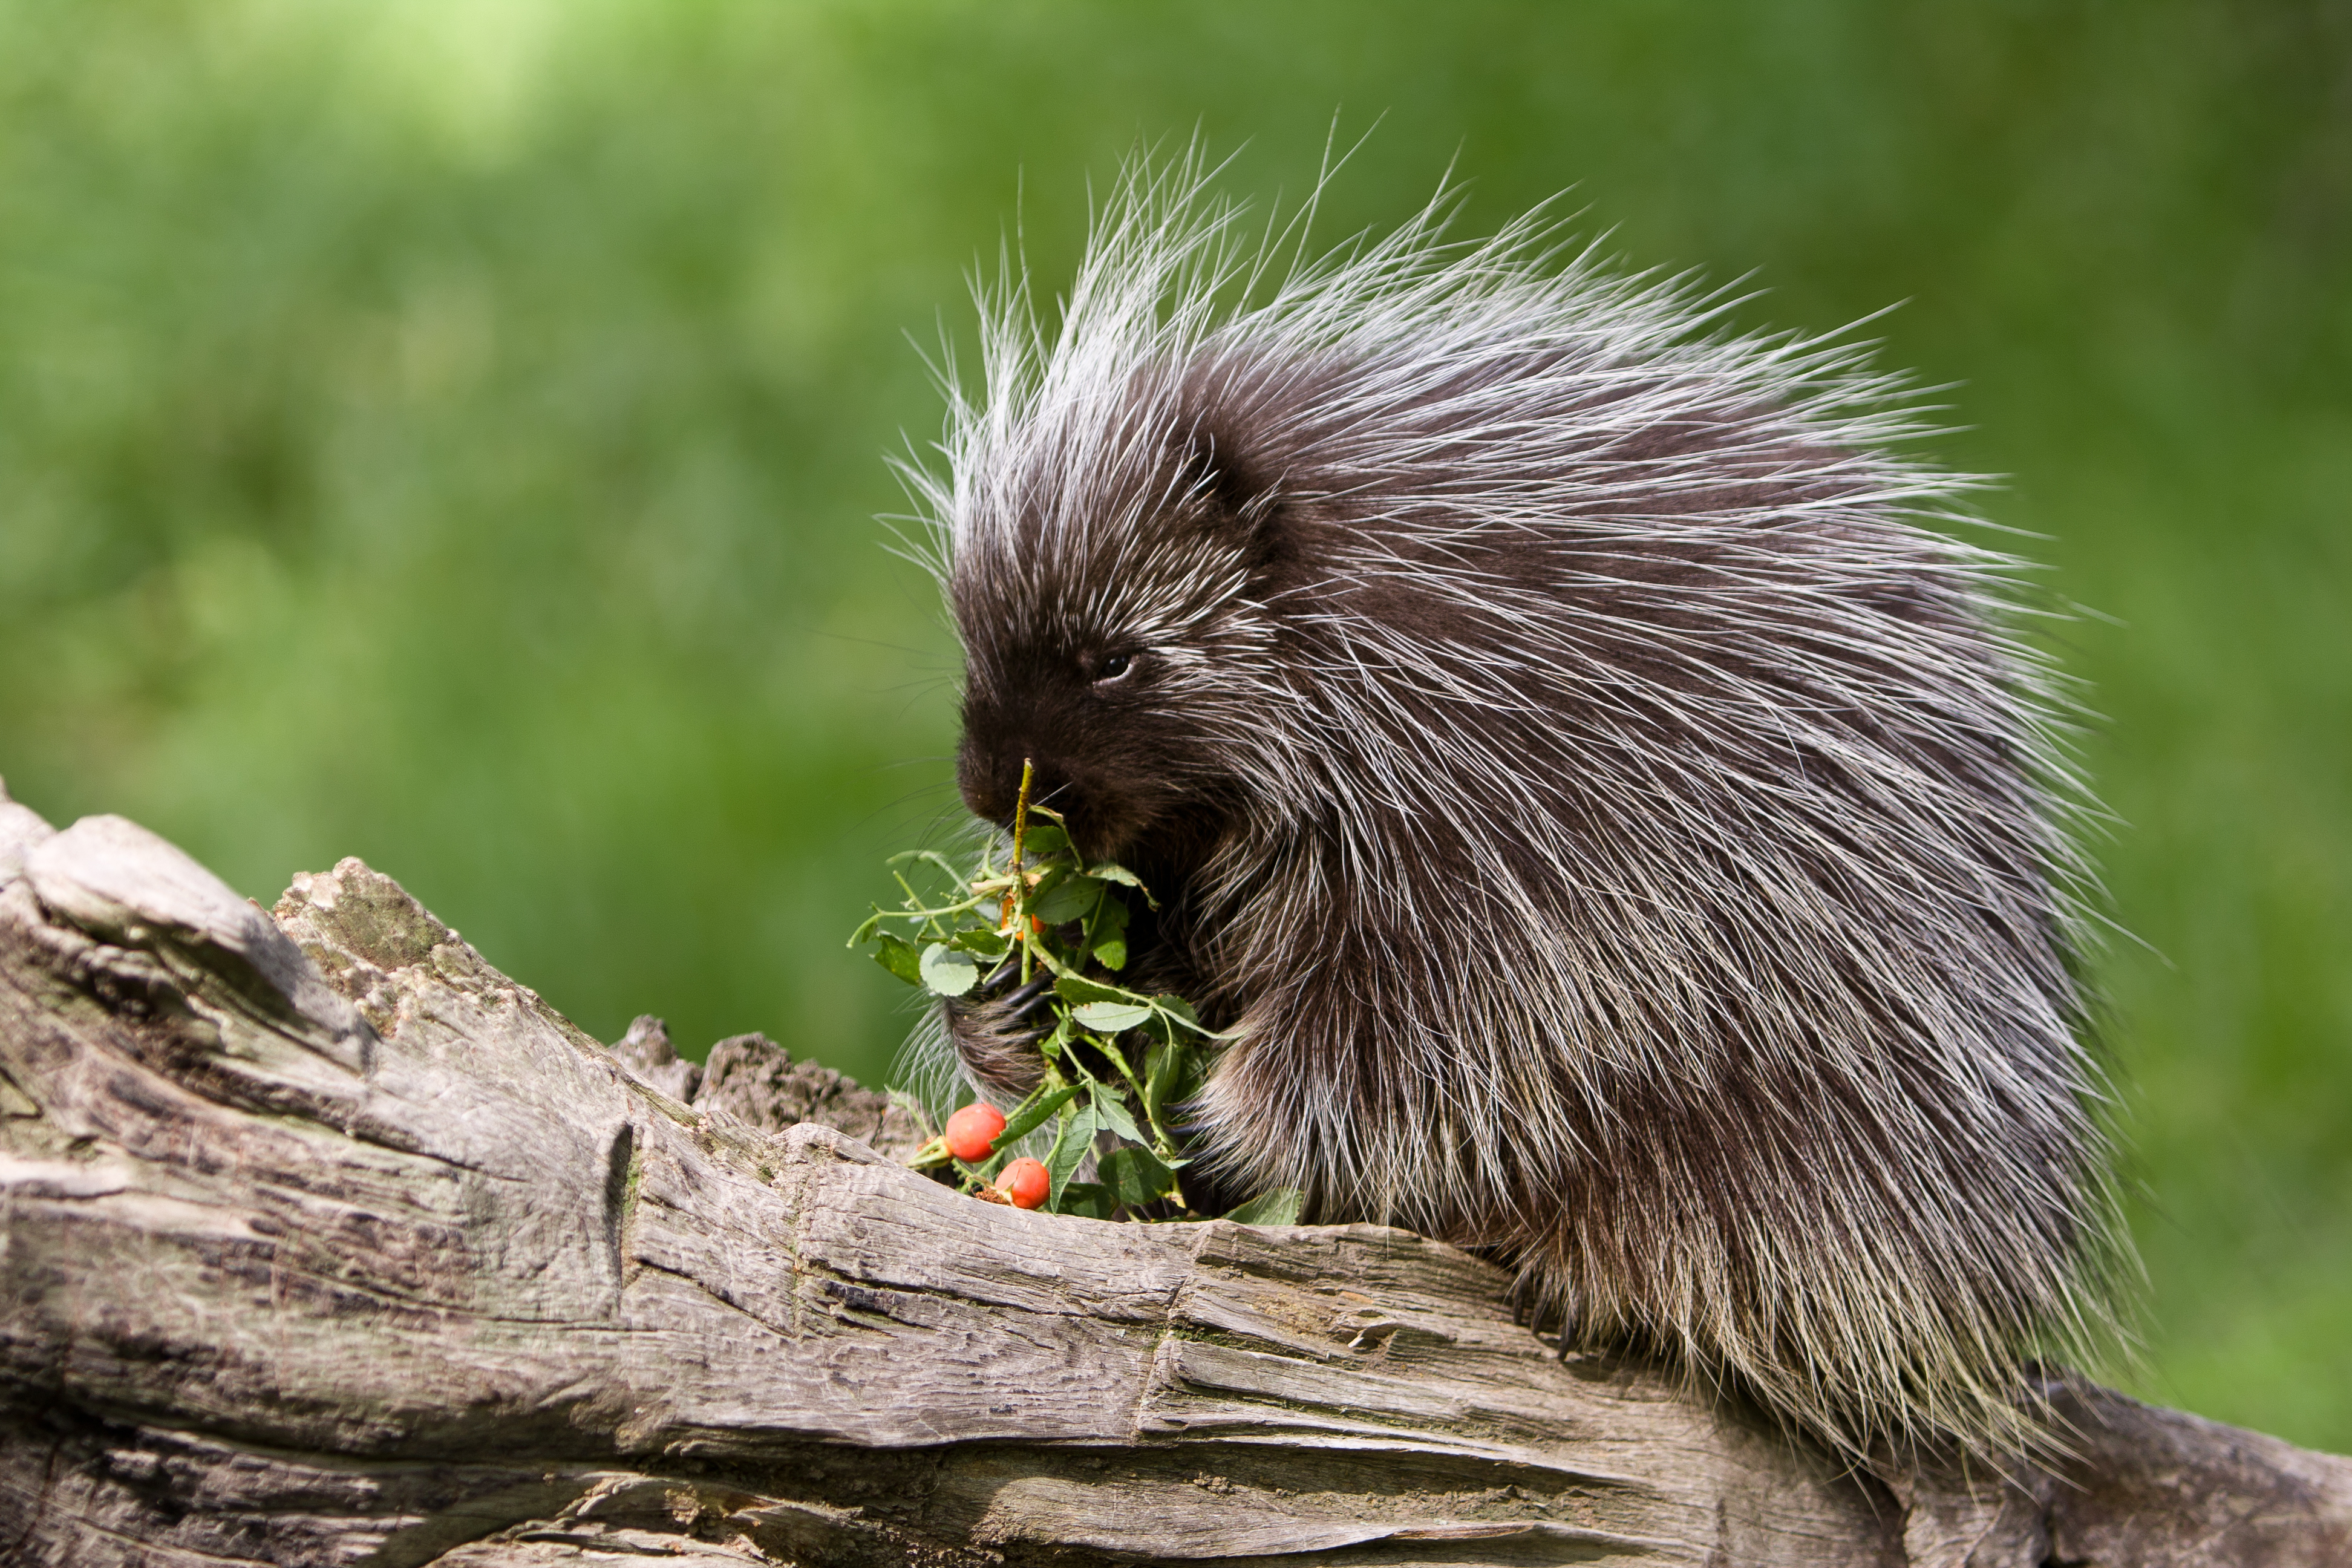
[1614, 831]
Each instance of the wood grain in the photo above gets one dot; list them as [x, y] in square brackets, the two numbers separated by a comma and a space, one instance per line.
[327, 1243]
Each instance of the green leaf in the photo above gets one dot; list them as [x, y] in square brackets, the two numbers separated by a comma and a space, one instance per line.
[1169, 1002]
[1111, 871]
[1176, 1009]
[1161, 1071]
[1032, 1113]
[1072, 1144]
[1090, 1200]
[1066, 960]
[1042, 840]
[1107, 932]
[1191, 1074]
[1135, 1176]
[1060, 900]
[1110, 1017]
[1079, 988]
[1112, 1112]
[1279, 1206]
[900, 958]
[985, 941]
[947, 972]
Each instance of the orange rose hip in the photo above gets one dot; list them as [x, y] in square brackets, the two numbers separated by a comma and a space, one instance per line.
[971, 1131]
[1027, 1182]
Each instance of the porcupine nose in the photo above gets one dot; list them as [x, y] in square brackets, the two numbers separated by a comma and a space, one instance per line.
[991, 782]
[986, 788]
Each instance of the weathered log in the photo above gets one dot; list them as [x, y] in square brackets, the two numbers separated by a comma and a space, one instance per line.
[326, 1242]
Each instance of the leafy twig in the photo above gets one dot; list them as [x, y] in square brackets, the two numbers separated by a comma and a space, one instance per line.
[1060, 937]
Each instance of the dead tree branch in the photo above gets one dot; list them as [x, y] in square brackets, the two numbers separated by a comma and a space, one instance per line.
[326, 1242]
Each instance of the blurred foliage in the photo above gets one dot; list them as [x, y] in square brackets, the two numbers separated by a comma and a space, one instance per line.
[448, 433]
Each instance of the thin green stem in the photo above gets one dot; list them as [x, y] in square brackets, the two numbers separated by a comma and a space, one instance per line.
[1021, 889]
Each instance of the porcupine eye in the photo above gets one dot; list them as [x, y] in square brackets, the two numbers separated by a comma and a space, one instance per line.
[1113, 667]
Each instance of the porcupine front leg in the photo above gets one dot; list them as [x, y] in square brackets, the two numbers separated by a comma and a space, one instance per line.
[995, 1029]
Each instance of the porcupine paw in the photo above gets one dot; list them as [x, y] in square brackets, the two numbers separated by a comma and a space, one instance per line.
[995, 1031]
[1533, 1310]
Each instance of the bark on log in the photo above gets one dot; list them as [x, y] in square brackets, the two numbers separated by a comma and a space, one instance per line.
[326, 1242]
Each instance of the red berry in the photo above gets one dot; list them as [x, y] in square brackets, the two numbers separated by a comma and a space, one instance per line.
[971, 1131]
[1025, 1183]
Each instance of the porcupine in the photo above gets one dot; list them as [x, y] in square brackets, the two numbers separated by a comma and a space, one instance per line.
[1618, 826]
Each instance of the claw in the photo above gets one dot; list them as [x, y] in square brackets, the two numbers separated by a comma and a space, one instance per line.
[1021, 1002]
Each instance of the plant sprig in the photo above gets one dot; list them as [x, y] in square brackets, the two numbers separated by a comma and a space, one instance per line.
[1053, 926]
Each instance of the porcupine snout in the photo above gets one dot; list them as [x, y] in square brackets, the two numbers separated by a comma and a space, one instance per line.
[1088, 785]
[990, 786]
[995, 1028]
[997, 745]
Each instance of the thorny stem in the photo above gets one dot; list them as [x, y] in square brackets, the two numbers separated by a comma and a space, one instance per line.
[1021, 813]
[1020, 888]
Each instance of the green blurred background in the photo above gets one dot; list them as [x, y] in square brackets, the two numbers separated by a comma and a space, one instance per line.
[450, 434]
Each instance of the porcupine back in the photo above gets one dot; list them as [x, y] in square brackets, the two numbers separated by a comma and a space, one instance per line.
[1617, 828]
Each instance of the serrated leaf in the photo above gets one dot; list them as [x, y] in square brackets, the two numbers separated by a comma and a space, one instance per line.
[1107, 932]
[1072, 1144]
[1112, 1112]
[948, 970]
[1110, 1017]
[1032, 1113]
[1280, 1206]
[1042, 840]
[981, 940]
[1176, 1007]
[1065, 899]
[1079, 988]
[1111, 871]
[1134, 1176]
[1058, 1038]
[899, 957]
[1177, 1014]
[1160, 1073]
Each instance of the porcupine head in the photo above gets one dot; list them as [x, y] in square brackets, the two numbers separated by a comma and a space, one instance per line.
[1615, 821]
